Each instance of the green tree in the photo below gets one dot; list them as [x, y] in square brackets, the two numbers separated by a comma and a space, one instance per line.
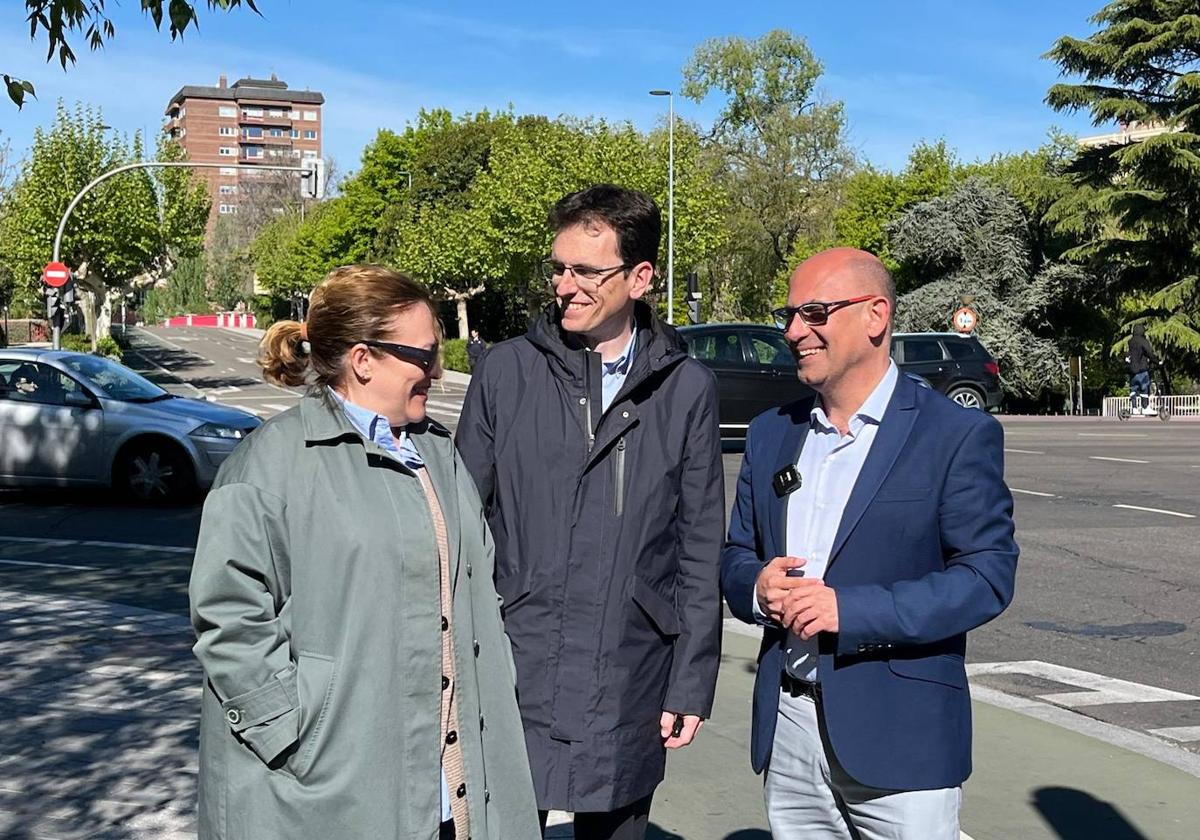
[1136, 206]
[123, 231]
[229, 281]
[974, 244]
[58, 20]
[783, 156]
[182, 292]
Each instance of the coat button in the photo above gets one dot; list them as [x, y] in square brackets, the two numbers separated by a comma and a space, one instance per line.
[583, 400]
[445, 624]
[624, 415]
[445, 682]
[451, 737]
[462, 790]
[481, 727]
[234, 716]
[468, 570]
[487, 795]
[476, 647]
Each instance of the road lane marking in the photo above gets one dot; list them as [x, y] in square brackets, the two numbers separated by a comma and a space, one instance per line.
[1156, 510]
[1025, 451]
[1118, 460]
[253, 397]
[1183, 734]
[276, 406]
[1032, 493]
[59, 543]
[1111, 434]
[246, 361]
[1098, 690]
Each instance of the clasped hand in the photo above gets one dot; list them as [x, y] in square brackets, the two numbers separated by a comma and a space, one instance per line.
[805, 606]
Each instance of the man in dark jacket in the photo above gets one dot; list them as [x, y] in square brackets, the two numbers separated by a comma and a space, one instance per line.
[595, 444]
[475, 349]
[1141, 357]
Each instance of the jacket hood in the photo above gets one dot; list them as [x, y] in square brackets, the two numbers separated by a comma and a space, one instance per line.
[659, 345]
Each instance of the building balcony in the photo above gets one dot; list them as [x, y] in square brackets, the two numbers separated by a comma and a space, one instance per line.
[283, 121]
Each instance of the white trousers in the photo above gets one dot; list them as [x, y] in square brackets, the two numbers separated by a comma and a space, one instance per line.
[810, 797]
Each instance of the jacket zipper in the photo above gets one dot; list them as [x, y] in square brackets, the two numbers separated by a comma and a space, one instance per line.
[587, 404]
[620, 464]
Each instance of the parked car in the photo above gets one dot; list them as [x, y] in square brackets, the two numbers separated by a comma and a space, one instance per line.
[756, 371]
[957, 365]
[754, 367]
[73, 419]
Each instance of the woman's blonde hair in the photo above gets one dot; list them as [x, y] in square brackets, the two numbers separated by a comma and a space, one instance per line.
[352, 303]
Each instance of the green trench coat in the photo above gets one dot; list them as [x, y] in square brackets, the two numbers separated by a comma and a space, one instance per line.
[314, 596]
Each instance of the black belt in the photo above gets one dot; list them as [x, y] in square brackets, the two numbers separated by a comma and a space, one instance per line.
[800, 688]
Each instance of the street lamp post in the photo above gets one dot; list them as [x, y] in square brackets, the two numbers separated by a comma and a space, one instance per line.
[670, 202]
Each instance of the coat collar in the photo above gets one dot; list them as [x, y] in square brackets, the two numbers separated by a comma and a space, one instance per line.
[325, 422]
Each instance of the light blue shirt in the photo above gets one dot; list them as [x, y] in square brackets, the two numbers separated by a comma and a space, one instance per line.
[378, 428]
[829, 466]
[613, 374]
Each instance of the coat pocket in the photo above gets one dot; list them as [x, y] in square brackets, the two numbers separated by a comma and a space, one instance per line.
[315, 676]
[659, 609]
[946, 669]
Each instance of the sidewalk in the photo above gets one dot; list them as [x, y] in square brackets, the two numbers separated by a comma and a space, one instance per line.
[101, 703]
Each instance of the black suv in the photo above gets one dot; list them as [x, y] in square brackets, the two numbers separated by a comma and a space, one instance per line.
[755, 369]
[957, 365]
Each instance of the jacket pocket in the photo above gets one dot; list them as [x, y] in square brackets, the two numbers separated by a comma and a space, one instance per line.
[659, 609]
[315, 674]
[619, 467]
[946, 669]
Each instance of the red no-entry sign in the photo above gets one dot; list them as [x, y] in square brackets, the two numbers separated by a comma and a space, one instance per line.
[56, 275]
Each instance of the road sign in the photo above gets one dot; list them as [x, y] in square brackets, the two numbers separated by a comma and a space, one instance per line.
[965, 319]
[55, 275]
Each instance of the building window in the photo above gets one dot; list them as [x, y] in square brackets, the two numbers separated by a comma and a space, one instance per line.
[276, 112]
[310, 115]
[227, 209]
[183, 132]
[276, 132]
[310, 135]
[252, 112]
[295, 134]
[309, 153]
[295, 115]
[227, 131]
[227, 111]
[254, 151]
[229, 170]
[228, 189]
[253, 131]
[227, 151]
[183, 112]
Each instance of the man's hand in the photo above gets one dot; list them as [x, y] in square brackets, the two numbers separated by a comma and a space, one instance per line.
[810, 608]
[773, 586]
[666, 724]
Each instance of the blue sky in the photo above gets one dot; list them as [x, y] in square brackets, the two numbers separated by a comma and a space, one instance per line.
[967, 71]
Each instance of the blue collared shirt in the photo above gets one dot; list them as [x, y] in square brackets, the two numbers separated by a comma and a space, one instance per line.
[829, 465]
[378, 428]
[612, 374]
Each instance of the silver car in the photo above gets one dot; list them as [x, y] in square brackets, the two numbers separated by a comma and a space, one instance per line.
[72, 419]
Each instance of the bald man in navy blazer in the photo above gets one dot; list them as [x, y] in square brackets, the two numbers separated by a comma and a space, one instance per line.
[872, 530]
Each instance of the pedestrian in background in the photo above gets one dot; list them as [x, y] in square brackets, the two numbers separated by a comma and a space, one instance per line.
[357, 678]
[595, 444]
[872, 530]
[1141, 357]
[475, 349]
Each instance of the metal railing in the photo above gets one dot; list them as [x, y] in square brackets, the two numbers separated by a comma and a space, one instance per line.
[1181, 405]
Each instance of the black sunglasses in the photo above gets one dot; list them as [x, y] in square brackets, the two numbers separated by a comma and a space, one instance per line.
[814, 313]
[424, 359]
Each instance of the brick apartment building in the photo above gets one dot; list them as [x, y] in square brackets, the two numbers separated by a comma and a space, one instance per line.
[249, 123]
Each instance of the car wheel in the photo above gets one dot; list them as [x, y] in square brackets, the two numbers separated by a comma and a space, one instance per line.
[966, 397]
[154, 472]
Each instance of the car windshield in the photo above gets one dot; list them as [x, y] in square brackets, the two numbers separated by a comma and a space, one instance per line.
[115, 381]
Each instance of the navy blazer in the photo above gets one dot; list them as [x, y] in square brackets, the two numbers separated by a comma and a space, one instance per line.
[924, 553]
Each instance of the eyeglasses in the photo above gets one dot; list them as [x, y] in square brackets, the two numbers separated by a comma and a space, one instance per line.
[588, 278]
[814, 313]
[424, 359]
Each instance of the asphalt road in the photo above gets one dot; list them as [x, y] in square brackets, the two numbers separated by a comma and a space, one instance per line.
[1107, 513]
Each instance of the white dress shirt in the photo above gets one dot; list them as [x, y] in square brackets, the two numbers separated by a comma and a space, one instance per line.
[829, 466]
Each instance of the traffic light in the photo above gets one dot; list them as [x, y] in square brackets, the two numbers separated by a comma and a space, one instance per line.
[693, 297]
[312, 178]
[56, 311]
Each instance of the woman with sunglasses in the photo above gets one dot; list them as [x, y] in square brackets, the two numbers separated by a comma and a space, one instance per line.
[358, 680]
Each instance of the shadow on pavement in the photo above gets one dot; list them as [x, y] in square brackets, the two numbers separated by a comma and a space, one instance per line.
[657, 832]
[1077, 815]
